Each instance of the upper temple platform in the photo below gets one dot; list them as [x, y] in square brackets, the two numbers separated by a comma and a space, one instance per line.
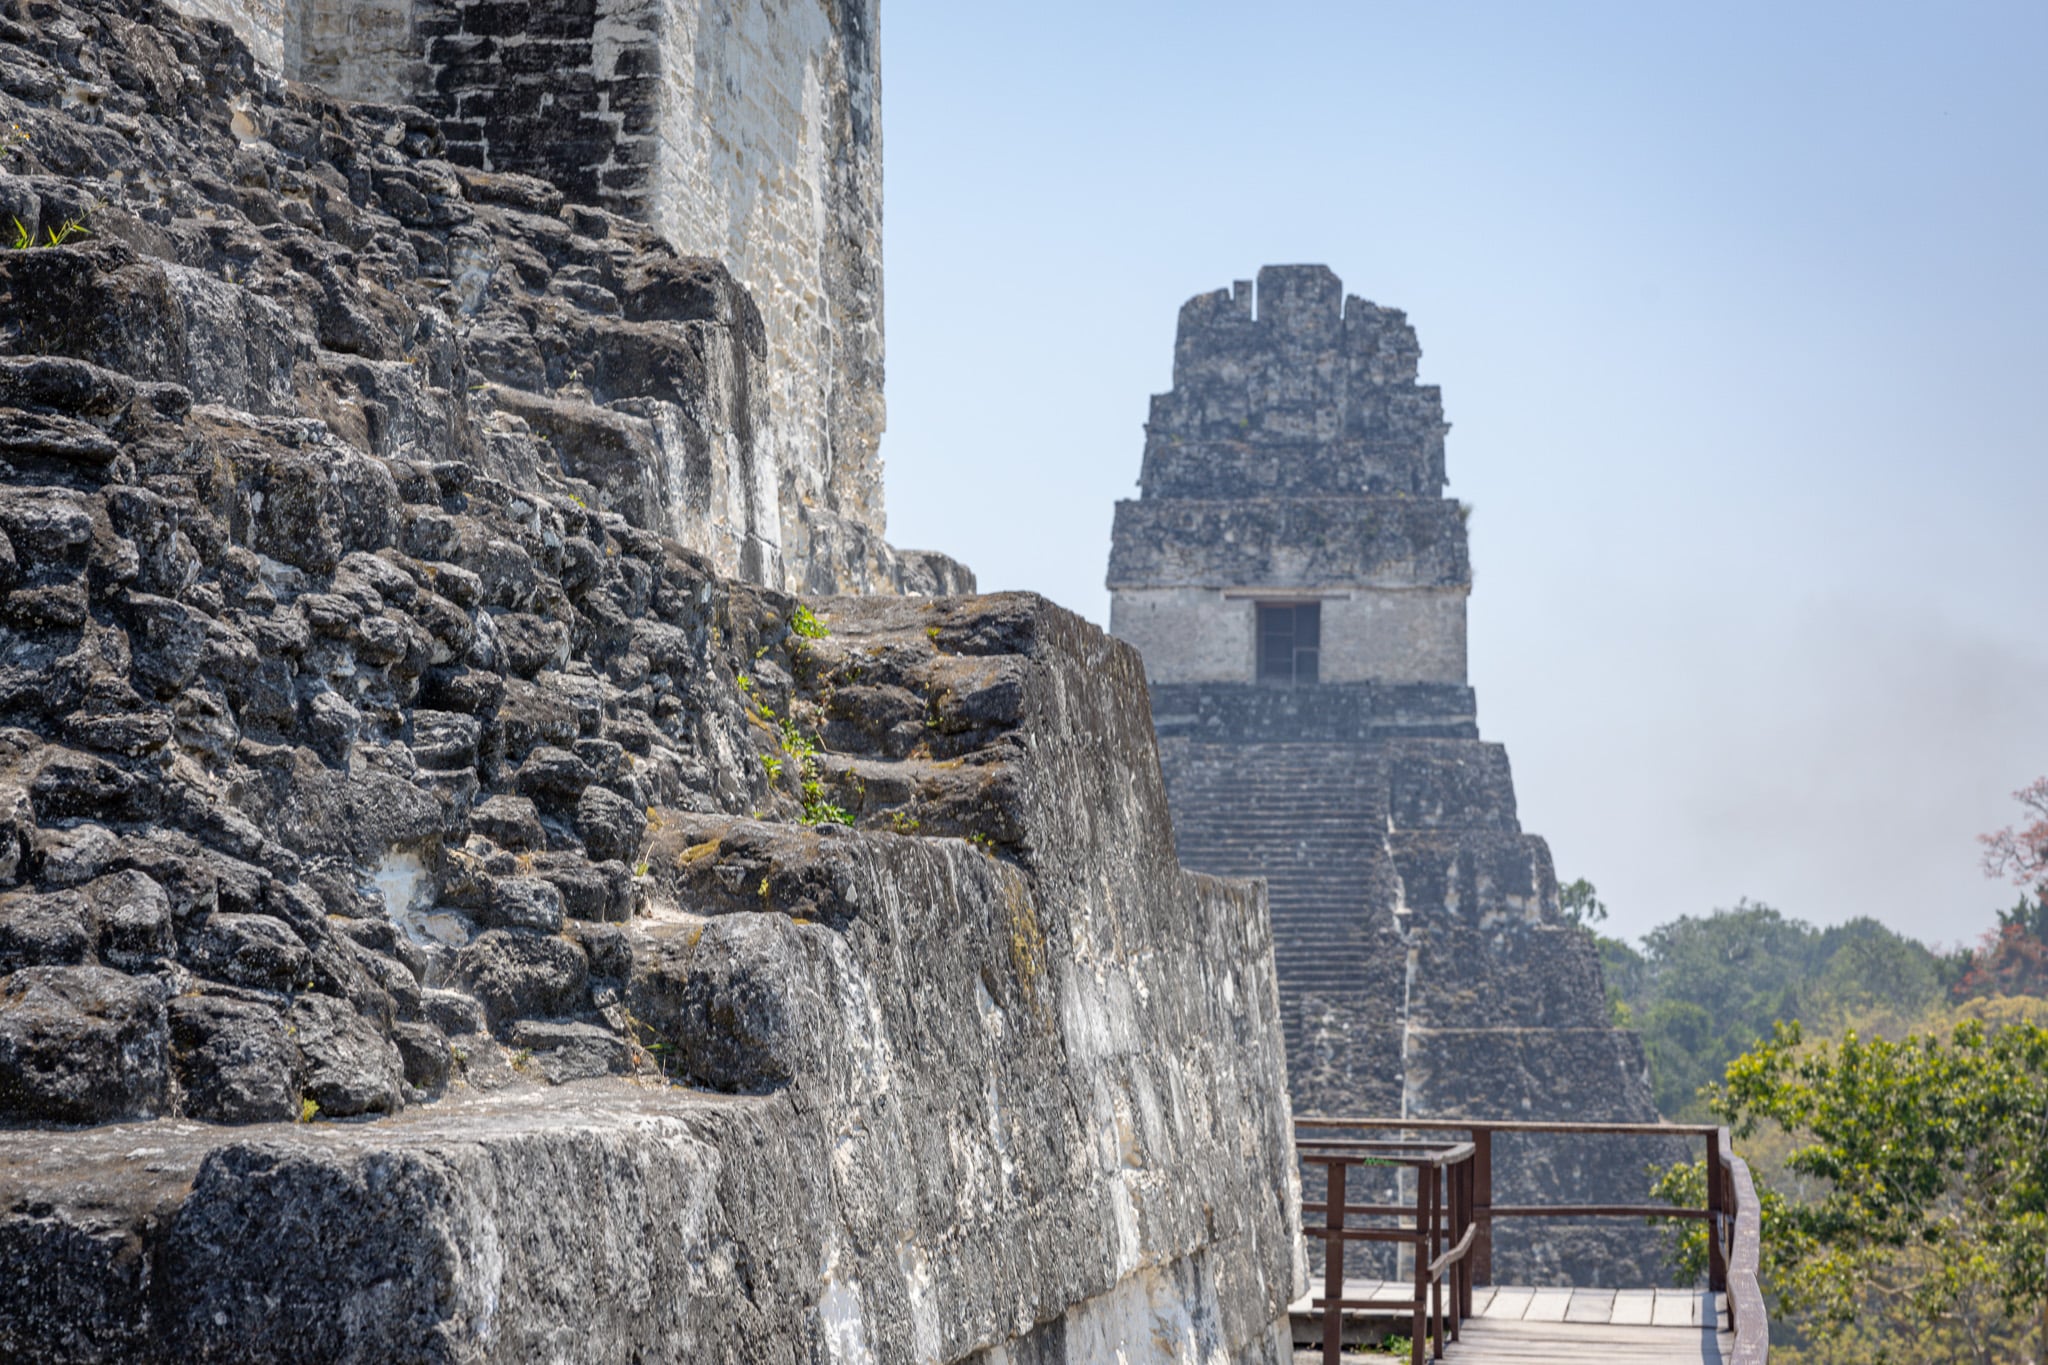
[1293, 485]
[1307, 394]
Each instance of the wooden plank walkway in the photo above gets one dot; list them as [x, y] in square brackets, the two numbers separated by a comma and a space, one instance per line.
[1513, 1326]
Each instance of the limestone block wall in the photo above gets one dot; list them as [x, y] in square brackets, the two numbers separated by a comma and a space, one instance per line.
[1187, 634]
[1296, 457]
[1260, 542]
[361, 49]
[746, 131]
[1193, 635]
[1343, 714]
[770, 147]
[1395, 637]
[445, 918]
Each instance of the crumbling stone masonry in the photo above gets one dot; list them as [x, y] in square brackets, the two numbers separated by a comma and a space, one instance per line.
[1296, 581]
[747, 131]
[446, 915]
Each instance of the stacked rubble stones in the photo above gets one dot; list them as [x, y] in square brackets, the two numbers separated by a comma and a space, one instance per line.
[337, 669]
[382, 727]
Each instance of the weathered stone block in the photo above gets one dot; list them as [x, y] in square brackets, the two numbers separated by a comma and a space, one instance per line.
[523, 903]
[610, 826]
[43, 929]
[347, 1066]
[81, 1045]
[233, 1060]
[515, 974]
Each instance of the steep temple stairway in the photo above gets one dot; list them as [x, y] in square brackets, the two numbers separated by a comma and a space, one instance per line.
[1307, 819]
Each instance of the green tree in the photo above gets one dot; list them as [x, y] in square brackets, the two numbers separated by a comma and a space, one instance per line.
[1742, 966]
[1922, 1229]
[1685, 1050]
[1713, 985]
[1627, 974]
[1866, 966]
[1580, 903]
[1705, 988]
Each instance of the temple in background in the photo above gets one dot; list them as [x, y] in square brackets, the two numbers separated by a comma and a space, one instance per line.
[1296, 580]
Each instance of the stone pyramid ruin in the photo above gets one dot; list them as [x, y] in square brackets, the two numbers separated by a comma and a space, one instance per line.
[1296, 580]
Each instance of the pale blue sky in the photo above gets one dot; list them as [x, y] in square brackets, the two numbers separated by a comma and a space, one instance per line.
[1739, 315]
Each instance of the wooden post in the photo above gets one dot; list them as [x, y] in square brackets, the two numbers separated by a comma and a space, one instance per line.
[1333, 1265]
[1471, 1220]
[1461, 1270]
[1438, 1179]
[1717, 1213]
[1482, 1205]
[1423, 1213]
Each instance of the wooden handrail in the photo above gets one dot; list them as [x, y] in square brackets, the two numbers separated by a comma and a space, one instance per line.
[1598, 1211]
[1442, 1213]
[1745, 1298]
[1718, 1226]
[1456, 1253]
[1462, 1213]
[1507, 1126]
[1363, 1152]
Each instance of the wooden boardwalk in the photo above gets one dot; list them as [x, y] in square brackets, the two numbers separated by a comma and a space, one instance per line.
[1446, 1236]
[1511, 1326]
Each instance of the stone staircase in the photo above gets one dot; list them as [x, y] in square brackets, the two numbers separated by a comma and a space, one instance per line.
[1403, 858]
[1309, 819]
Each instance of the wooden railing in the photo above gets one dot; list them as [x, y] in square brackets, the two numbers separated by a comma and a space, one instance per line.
[1745, 1247]
[1449, 1222]
[1440, 1228]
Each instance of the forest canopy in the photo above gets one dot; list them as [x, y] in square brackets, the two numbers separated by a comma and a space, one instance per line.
[1891, 1099]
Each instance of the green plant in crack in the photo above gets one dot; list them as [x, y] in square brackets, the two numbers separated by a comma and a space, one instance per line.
[802, 750]
[25, 240]
[805, 629]
[648, 1040]
[804, 623]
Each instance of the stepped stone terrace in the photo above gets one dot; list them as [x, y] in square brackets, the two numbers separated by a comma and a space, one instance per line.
[1296, 579]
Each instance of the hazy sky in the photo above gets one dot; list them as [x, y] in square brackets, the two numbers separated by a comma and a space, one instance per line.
[1739, 315]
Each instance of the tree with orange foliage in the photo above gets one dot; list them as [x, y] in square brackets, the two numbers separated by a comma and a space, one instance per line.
[2021, 852]
[2013, 958]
